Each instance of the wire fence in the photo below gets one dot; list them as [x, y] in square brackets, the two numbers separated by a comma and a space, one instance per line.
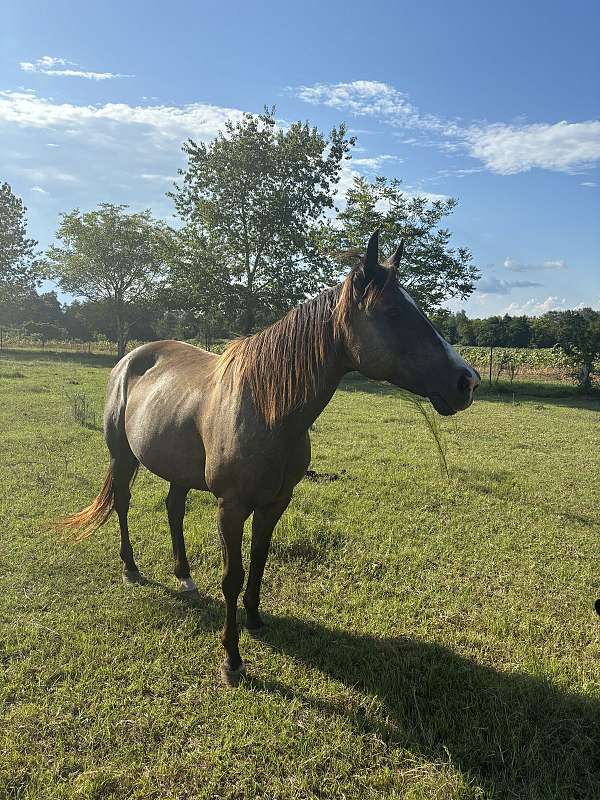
[494, 363]
[17, 339]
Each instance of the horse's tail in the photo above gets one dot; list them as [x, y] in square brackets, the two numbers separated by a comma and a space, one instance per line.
[89, 519]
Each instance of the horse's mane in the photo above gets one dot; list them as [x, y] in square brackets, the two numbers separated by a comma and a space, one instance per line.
[282, 363]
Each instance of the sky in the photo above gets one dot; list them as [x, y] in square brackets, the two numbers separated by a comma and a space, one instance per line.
[496, 104]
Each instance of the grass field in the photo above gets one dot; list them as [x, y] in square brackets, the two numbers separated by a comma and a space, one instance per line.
[428, 638]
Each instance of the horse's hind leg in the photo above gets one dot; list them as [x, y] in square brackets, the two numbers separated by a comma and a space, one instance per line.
[123, 470]
[176, 513]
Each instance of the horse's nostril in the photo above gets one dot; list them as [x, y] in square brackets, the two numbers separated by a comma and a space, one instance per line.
[465, 383]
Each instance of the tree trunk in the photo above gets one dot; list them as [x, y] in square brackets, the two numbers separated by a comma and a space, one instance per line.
[121, 338]
[584, 375]
[249, 311]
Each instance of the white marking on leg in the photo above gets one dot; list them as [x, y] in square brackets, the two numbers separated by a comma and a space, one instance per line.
[187, 585]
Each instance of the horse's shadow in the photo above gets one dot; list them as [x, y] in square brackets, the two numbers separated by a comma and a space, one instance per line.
[516, 735]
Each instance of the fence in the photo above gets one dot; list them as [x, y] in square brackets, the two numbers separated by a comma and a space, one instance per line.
[506, 362]
[15, 339]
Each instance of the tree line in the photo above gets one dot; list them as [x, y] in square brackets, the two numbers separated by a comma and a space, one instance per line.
[575, 332]
[258, 231]
[507, 330]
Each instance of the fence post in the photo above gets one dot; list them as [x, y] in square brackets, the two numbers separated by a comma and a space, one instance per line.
[491, 359]
[1, 342]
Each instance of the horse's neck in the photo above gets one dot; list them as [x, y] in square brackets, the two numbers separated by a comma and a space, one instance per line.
[333, 369]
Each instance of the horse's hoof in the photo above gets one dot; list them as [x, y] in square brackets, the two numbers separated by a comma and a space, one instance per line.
[187, 585]
[232, 677]
[132, 577]
[257, 633]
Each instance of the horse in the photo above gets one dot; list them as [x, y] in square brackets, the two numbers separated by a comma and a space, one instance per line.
[237, 424]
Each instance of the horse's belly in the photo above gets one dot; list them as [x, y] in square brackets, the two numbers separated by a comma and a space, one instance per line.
[166, 441]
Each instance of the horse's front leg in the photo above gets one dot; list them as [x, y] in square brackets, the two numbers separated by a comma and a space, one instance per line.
[263, 523]
[232, 516]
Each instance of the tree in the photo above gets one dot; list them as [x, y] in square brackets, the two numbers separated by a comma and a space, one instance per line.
[31, 306]
[431, 270]
[491, 332]
[518, 331]
[254, 196]
[198, 288]
[543, 331]
[578, 336]
[109, 256]
[45, 331]
[464, 329]
[445, 322]
[19, 267]
[90, 320]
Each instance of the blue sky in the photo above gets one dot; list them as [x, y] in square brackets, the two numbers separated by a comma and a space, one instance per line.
[495, 104]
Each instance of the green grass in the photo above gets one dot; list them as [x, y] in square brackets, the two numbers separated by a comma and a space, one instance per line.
[428, 638]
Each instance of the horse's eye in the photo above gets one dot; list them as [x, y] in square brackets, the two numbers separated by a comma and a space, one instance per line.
[393, 312]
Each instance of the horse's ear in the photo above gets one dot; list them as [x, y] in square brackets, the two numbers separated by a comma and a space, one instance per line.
[367, 270]
[371, 260]
[394, 260]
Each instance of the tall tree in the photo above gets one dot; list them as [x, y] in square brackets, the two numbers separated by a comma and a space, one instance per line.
[578, 336]
[465, 333]
[431, 269]
[19, 267]
[198, 287]
[254, 196]
[113, 257]
[491, 332]
[518, 331]
[445, 322]
[543, 331]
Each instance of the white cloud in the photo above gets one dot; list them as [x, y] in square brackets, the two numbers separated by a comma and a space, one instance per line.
[48, 65]
[45, 62]
[502, 148]
[490, 284]
[589, 183]
[153, 176]
[349, 172]
[371, 98]
[432, 197]
[48, 174]
[198, 120]
[376, 162]
[39, 190]
[457, 173]
[535, 308]
[562, 147]
[517, 266]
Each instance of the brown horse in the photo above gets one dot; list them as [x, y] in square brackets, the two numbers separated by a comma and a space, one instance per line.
[237, 424]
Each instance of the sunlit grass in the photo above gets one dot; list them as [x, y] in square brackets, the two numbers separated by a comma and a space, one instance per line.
[429, 637]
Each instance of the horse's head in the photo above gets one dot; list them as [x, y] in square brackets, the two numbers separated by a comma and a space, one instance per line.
[388, 337]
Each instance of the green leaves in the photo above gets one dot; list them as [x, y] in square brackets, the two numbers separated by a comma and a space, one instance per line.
[431, 269]
[578, 335]
[110, 256]
[253, 198]
[19, 269]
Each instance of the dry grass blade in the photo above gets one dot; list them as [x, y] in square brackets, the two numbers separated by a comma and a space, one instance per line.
[433, 425]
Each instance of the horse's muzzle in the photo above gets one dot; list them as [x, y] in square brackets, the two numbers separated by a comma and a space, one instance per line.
[462, 396]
